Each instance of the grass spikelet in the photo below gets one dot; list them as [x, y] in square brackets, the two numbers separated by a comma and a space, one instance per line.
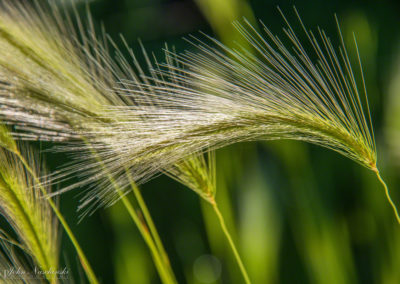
[199, 174]
[6, 139]
[9, 144]
[58, 84]
[23, 206]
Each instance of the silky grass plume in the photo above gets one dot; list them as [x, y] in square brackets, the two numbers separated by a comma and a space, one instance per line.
[218, 96]
[24, 207]
[194, 102]
[57, 80]
[197, 173]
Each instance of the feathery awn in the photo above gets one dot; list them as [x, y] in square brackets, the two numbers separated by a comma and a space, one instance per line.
[61, 87]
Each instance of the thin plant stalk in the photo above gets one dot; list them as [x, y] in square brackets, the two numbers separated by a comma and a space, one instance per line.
[199, 174]
[150, 222]
[160, 257]
[165, 275]
[230, 240]
[150, 236]
[396, 213]
[84, 261]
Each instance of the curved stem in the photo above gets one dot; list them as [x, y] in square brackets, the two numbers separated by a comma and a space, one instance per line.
[164, 270]
[85, 263]
[151, 225]
[164, 274]
[231, 243]
[387, 194]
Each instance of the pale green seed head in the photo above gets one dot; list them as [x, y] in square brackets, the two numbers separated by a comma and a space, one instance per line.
[197, 173]
[6, 139]
[25, 208]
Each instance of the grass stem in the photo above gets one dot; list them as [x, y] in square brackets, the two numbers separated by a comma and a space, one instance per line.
[151, 226]
[158, 260]
[387, 194]
[231, 243]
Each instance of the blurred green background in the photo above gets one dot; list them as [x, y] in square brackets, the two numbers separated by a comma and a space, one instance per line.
[298, 213]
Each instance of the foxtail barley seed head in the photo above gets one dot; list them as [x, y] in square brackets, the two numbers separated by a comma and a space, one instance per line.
[25, 208]
[56, 81]
[219, 96]
[198, 173]
[6, 139]
[52, 77]
[59, 84]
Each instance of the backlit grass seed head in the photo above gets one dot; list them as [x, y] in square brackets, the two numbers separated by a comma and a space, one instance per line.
[52, 76]
[57, 79]
[197, 173]
[62, 84]
[219, 96]
[59, 85]
[6, 139]
[27, 211]
[269, 93]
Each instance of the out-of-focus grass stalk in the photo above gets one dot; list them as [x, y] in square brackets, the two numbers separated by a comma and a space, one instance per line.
[150, 223]
[323, 242]
[147, 229]
[160, 258]
[220, 14]
[388, 261]
[260, 230]
[129, 250]
[151, 236]
[165, 275]
[392, 113]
